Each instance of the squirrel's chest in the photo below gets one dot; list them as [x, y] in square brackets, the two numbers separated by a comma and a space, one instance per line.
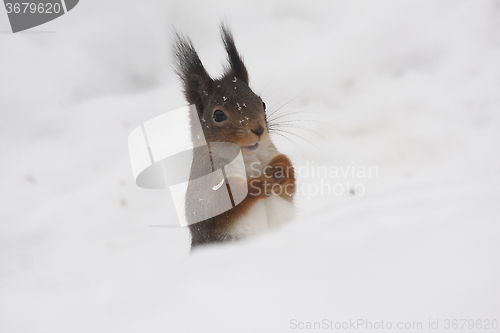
[265, 214]
[255, 164]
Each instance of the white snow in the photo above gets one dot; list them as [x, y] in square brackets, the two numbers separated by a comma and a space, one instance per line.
[411, 88]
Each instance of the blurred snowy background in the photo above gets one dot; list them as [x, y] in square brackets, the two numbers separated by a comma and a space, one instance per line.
[411, 87]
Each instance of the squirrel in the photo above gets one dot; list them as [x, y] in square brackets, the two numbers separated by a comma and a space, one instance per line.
[230, 111]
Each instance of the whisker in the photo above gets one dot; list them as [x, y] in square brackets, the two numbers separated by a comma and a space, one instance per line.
[286, 103]
[262, 91]
[312, 144]
[304, 128]
[291, 141]
[278, 116]
[309, 120]
[294, 122]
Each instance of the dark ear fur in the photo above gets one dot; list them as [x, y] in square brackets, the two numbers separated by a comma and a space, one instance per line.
[197, 82]
[237, 68]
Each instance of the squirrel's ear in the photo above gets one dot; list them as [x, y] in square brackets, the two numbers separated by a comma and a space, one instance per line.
[197, 83]
[238, 68]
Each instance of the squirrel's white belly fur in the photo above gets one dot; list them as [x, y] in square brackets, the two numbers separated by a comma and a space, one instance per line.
[266, 213]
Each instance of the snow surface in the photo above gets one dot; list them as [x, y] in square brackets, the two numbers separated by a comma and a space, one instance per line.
[409, 87]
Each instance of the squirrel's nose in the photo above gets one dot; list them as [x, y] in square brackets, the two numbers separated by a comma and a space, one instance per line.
[258, 131]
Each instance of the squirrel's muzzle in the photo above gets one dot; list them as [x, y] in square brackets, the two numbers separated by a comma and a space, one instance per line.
[258, 131]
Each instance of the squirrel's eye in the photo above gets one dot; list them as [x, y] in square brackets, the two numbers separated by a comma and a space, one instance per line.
[219, 116]
[264, 106]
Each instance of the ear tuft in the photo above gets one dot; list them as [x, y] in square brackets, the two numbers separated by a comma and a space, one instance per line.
[237, 68]
[197, 82]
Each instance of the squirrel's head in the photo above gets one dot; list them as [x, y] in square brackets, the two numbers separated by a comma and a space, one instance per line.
[228, 109]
